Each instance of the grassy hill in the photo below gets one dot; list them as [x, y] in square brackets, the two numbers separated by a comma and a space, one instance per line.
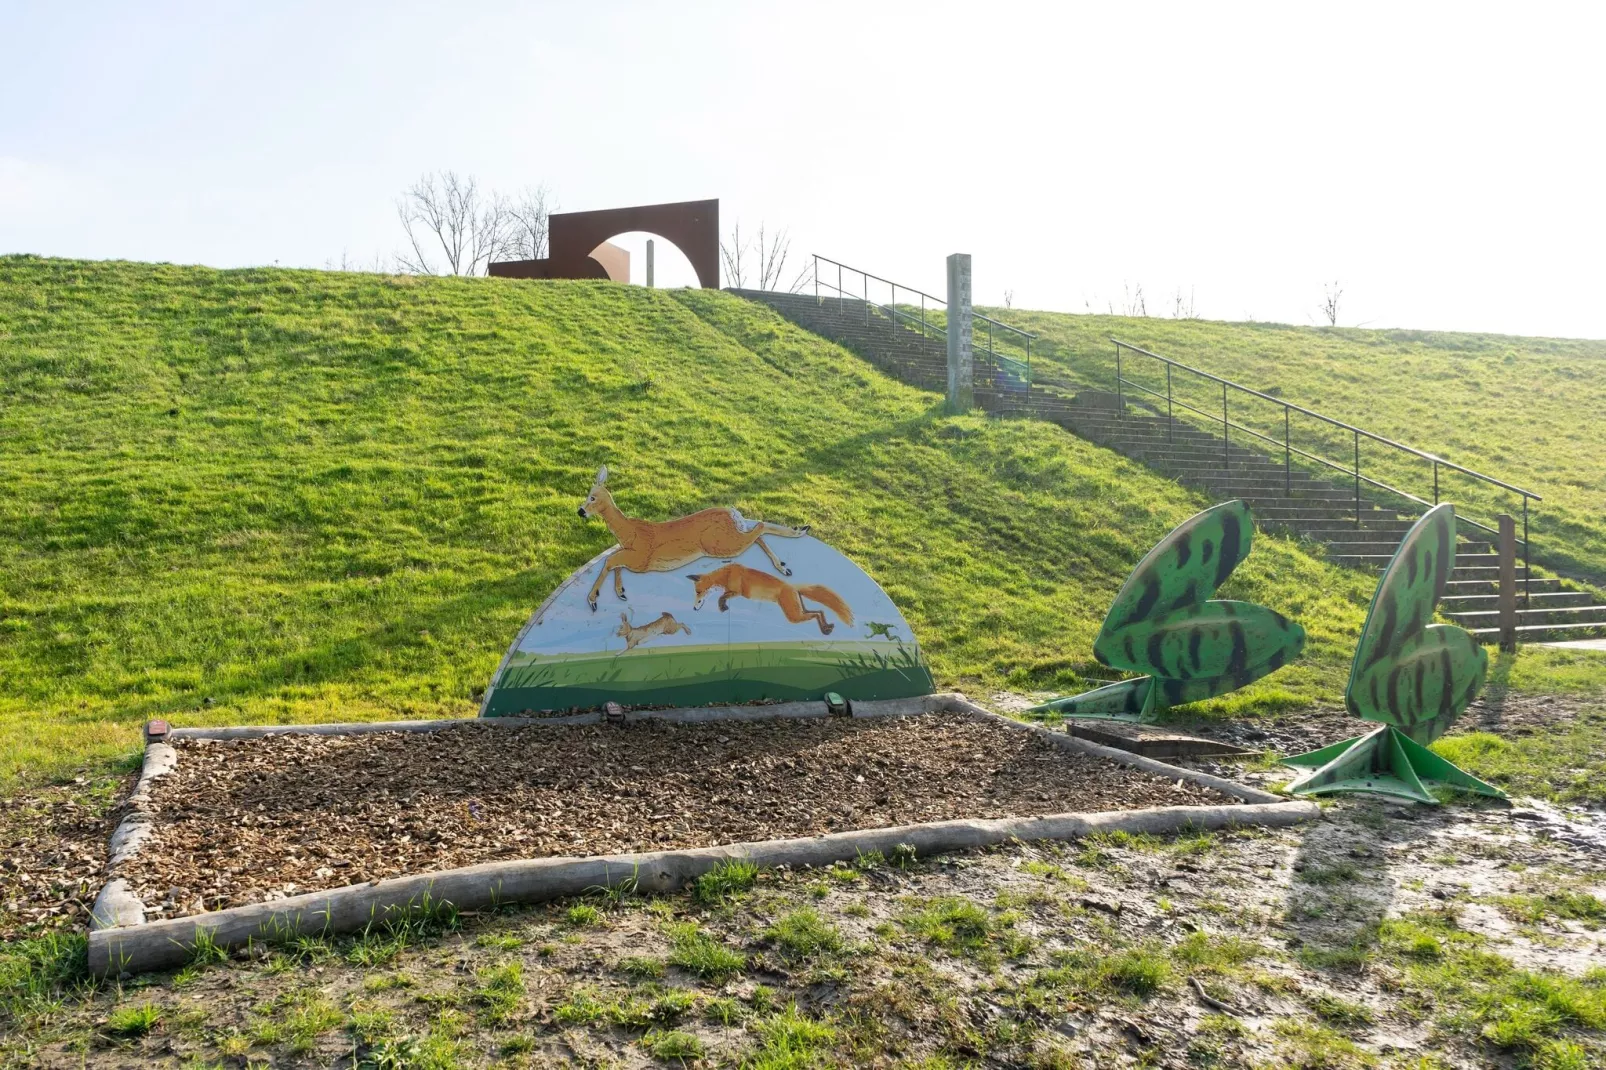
[1524, 410]
[265, 495]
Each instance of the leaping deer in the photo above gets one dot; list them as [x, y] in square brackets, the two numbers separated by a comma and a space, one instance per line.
[662, 546]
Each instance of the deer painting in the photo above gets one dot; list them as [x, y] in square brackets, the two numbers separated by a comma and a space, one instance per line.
[662, 546]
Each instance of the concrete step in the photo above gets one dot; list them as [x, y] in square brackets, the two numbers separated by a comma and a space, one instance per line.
[1533, 633]
[1458, 586]
[1468, 603]
[1462, 571]
[1533, 615]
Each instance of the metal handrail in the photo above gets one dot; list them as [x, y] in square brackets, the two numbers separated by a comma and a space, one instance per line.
[1289, 449]
[919, 293]
[896, 314]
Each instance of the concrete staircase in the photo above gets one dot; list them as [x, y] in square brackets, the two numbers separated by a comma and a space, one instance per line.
[1358, 535]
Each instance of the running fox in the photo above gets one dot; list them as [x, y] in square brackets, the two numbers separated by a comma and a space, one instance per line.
[739, 581]
[666, 624]
[662, 546]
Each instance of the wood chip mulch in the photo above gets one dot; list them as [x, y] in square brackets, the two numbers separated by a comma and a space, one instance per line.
[52, 853]
[251, 820]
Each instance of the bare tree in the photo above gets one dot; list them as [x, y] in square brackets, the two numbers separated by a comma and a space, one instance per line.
[1331, 294]
[1009, 298]
[1135, 303]
[765, 257]
[527, 227]
[452, 228]
[730, 253]
[1182, 308]
[772, 262]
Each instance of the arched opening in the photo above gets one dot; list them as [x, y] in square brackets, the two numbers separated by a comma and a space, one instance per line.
[671, 267]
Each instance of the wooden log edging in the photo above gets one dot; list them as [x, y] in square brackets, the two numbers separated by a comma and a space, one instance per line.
[117, 905]
[118, 944]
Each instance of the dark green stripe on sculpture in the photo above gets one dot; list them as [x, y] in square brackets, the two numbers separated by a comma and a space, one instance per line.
[1184, 568]
[1408, 671]
[1165, 623]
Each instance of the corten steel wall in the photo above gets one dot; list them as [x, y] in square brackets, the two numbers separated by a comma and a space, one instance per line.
[614, 260]
[691, 225]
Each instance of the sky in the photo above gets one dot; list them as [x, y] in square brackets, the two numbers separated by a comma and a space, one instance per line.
[1442, 163]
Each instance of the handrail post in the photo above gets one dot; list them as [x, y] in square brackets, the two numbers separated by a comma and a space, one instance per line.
[1436, 483]
[1120, 396]
[1357, 479]
[893, 310]
[922, 314]
[866, 276]
[1527, 569]
[1170, 415]
[841, 294]
[1226, 447]
[816, 278]
[1288, 458]
[1507, 604]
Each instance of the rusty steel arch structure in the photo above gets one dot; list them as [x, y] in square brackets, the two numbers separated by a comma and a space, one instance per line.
[693, 226]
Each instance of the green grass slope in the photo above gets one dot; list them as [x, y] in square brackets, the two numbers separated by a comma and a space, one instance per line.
[264, 495]
[1524, 410]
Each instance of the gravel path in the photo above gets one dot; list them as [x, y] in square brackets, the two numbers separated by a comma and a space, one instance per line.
[251, 820]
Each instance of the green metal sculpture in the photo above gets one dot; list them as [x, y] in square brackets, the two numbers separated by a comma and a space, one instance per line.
[1410, 675]
[1164, 623]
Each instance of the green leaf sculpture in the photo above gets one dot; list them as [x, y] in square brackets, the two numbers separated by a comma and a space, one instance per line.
[1165, 624]
[1411, 676]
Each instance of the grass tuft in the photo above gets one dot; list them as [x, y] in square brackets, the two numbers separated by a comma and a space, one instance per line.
[695, 951]
[725, 882]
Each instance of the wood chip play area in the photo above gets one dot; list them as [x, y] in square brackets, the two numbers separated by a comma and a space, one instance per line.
[244, 821]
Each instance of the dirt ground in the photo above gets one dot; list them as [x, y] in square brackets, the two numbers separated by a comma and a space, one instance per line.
[249, 820]
[1382, 935]
[1306, 947]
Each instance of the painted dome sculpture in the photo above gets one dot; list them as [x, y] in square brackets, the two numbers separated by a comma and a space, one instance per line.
[702, 610]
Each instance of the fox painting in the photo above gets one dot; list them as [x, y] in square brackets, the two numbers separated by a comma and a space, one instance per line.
[662, 546]
[666, 624]
[739, 581]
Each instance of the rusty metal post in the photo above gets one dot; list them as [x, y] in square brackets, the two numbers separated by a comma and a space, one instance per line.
[1288, 458]
[1226, 443]
[1120, 397]
[1507, 549]
[1357, 479]
[1170, 413]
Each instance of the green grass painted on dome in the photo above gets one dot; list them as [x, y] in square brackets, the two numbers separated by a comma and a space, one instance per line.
[276, 496]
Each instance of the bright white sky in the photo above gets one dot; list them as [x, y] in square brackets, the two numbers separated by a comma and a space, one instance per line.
[1443, 162]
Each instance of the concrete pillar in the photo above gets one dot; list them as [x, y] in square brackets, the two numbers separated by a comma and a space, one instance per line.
[961, 367]
[649, 263]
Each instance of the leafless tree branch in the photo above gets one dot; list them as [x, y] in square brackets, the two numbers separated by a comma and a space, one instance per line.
[527, 224]
[730, 254]
[448, 211]
[1329, 306]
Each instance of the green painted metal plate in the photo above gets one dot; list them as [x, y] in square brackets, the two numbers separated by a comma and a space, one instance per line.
[1207, 649]
[1125, 700]
[1164, 623]
[1385, 761]
[1409, 672]
[1183, 569]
